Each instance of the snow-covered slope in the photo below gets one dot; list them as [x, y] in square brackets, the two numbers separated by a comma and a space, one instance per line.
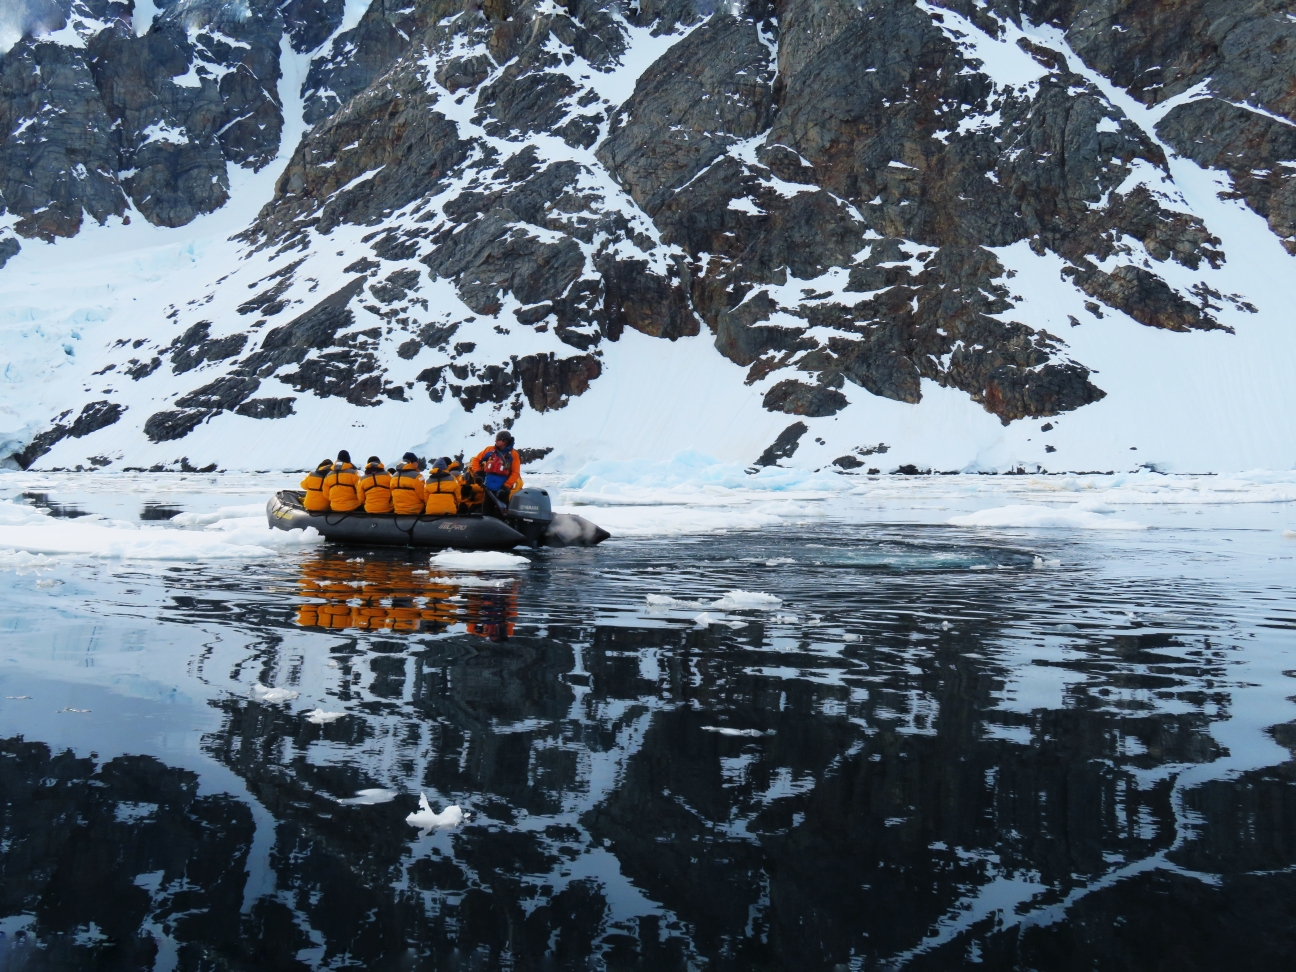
[626, 233]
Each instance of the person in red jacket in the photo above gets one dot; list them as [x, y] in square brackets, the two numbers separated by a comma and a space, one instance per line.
[500, 467]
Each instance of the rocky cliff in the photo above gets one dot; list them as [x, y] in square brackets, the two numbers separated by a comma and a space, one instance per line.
[848, 201]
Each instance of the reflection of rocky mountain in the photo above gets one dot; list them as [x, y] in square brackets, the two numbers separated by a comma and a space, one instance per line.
[123, 861]
[854, 199]
[660, 795]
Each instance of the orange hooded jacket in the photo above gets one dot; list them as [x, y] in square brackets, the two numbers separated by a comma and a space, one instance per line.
[375, 489]
[443, 494]
[315, 500]
[407, 490]
[340, 488]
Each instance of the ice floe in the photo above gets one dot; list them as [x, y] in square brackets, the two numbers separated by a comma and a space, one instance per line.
[733, 600]
[26, 533]
[1043, 516]
[706, 619]
[196, 521]
[321, 718]
[666, 602]
[369, 797]
[749, 600]
[24, 560]
[727, 731]
[428, 820]
[654, 520]
[260, 693]
[480, 560]
[612, 477]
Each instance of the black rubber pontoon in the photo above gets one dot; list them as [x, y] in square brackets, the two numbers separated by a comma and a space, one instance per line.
[531, 523]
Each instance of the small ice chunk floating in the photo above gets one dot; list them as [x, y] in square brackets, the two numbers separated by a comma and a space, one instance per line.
[427, 820]
[528, 521]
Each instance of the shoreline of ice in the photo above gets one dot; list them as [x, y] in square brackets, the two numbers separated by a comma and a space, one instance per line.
[45, 517]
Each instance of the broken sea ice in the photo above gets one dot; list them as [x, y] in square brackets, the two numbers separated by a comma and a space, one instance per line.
[427, 820]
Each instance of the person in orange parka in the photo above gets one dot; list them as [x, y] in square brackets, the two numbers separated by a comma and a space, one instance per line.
[443, 492]
[315, 501]
[374, 487]
[409, 495]
[340, 485]
[500, 467]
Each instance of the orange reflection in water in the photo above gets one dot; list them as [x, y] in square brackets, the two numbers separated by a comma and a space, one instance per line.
[396, 595]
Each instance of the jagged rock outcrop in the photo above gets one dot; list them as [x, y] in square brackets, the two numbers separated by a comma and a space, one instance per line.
[93, 417]
[151, 116]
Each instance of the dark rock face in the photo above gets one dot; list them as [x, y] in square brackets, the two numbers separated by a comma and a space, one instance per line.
[223, 393]
[314, 330]
[1244, 54]
[93, 417]
[310, 22]
[357, 56]
[266, 408]
[1252, 148]
[154, 118]
[547, 381]
[715, 89]
[193, 347]
[785, 446]
[57, 160]
[797, 398]
[175, 423]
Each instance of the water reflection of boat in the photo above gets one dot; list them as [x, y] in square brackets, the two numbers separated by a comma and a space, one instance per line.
[528, 520]
[401, 596]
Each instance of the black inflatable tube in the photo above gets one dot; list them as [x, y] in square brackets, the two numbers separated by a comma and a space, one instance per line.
[472, 532]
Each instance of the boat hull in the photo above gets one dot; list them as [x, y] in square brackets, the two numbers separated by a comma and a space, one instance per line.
[470, 532]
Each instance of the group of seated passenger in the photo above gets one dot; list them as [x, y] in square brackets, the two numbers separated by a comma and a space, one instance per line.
[337, 486]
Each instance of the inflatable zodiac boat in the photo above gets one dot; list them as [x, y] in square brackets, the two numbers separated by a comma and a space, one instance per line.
[529, 520]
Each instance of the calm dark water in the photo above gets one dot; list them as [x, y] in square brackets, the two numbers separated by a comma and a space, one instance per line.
[939, 750]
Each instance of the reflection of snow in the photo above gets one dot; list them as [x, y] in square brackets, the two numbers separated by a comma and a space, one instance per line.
[1034, 687]
[1021, 735]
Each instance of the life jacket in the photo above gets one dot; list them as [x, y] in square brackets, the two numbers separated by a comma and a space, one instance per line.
[340, 487]
[315, 501]
[407, 490]
[500, 469]
[442, 494]
[375, 490]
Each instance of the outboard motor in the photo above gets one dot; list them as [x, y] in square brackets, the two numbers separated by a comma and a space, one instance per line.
[533, 511]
